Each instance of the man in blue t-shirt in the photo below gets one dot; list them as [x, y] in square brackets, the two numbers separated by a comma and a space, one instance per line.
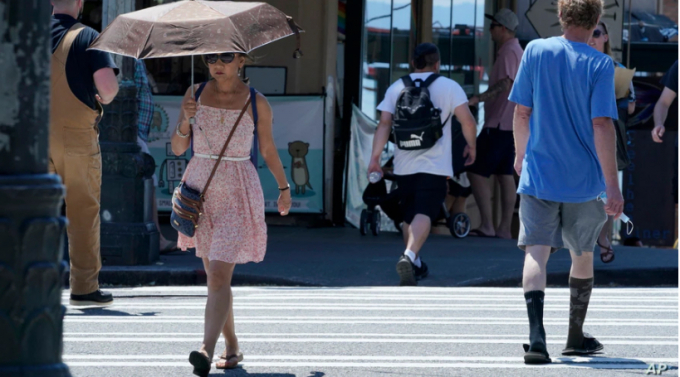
[565, 142]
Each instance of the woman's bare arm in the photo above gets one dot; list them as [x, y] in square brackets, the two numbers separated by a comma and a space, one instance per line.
[188, 109]
[270, 153]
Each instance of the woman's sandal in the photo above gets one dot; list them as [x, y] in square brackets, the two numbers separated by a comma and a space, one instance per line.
[609, 252]
[229, 361]
[200, 362]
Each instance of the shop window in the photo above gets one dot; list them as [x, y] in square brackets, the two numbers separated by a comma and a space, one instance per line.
[458, 29]
[403, 38]
[376, 54]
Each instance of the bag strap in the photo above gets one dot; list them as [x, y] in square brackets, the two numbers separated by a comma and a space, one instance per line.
[429, 80]
[199, 90]
[408, 82]
[224, 149]
[253, 100]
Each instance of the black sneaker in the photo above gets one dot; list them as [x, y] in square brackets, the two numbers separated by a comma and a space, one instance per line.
[96, 298]
[406, 271]
[422, 271]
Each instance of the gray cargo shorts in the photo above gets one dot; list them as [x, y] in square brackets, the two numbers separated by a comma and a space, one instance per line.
[575, 226]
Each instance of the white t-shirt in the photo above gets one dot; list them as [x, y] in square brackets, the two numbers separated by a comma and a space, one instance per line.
[445, 94]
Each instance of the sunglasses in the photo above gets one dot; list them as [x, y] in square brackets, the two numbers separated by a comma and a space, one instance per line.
[597, 33]
[494, 25]
[225, 58]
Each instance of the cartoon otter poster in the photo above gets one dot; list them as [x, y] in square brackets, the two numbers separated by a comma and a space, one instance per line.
[299, 172]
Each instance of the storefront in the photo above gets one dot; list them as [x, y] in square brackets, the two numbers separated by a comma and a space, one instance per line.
[353, 50]
[380, 35]
[300, 91]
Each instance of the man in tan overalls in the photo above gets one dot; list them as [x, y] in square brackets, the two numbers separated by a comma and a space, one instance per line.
[81, 81]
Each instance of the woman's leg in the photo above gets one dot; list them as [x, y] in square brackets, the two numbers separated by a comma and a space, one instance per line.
[229, 330]
[218, 305]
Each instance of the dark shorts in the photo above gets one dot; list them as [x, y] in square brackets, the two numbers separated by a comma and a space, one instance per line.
[421, 194]
[457, 190]
[495, 153]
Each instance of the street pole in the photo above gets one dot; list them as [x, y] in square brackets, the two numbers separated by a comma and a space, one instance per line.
[128, 236]
[31, 228]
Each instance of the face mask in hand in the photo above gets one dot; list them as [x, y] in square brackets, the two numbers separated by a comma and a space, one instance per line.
[629, 224]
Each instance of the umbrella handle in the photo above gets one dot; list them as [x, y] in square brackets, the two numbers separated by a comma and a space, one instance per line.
[192, 120]
[296, 30]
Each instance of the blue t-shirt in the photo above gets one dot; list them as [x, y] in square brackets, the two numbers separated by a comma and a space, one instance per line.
[566, 84]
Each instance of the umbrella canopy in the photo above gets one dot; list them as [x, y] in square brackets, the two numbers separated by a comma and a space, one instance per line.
[195, 27]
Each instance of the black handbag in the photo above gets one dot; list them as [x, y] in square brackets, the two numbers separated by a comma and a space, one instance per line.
[187, 202]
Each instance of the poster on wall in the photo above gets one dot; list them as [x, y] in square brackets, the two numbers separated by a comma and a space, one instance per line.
[299, 136]
[169, 168]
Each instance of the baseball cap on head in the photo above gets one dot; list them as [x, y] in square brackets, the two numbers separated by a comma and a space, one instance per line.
[505, 17]
[425, 54]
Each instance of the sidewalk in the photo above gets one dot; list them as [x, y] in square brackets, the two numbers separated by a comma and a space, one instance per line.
[342, 257]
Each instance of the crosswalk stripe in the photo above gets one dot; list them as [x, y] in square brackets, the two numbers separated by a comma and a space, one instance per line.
[401, 318]
[518, 299]
[384, 365]
[565, 360]
[418, 335]
[400, 290]
[343, 340]
[418, 307]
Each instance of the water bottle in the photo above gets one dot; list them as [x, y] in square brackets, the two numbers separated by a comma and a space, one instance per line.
[375, 177]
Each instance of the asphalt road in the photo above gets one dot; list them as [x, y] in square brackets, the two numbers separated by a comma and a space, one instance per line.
[385, 331]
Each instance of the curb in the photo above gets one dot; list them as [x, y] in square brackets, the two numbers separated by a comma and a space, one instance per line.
[136, 278]
[129, 277]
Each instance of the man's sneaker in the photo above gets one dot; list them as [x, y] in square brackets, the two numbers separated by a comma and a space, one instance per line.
[422, 271]
[96, 298]
[406, 271]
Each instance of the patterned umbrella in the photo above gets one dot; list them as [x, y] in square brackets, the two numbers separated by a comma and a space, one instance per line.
[194, 27]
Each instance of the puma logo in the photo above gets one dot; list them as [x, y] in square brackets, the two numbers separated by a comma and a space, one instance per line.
[418, 137]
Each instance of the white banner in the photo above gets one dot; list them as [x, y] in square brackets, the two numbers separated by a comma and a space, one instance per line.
[360, 149]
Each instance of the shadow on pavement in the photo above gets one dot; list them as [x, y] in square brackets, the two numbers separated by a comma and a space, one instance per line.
[108, 312]
[240, 372]
[603, 362]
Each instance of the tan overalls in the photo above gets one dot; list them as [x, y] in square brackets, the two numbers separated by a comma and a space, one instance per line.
[76, 157]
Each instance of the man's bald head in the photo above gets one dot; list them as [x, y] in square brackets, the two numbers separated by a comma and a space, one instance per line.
[70, 7]
[64, 3]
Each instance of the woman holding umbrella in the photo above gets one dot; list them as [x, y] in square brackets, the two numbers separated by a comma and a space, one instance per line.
[231, 227]
[235, 204]
[235, 232]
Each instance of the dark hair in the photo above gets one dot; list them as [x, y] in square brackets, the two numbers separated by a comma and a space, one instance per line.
[425, 55]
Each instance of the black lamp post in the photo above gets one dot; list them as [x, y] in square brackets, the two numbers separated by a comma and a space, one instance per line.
[31, 228]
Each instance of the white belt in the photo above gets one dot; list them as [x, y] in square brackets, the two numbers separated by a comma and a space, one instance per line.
[214, 157]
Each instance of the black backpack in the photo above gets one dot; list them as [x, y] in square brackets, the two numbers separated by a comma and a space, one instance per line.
[416, 123]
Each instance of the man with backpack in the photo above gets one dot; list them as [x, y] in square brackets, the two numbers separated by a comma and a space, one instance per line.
[417, 112]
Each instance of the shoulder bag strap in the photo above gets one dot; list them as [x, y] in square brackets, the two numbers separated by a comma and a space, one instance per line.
[224, 148]
[197, 95]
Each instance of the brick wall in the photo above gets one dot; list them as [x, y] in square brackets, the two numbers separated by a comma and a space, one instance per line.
[670, 9]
